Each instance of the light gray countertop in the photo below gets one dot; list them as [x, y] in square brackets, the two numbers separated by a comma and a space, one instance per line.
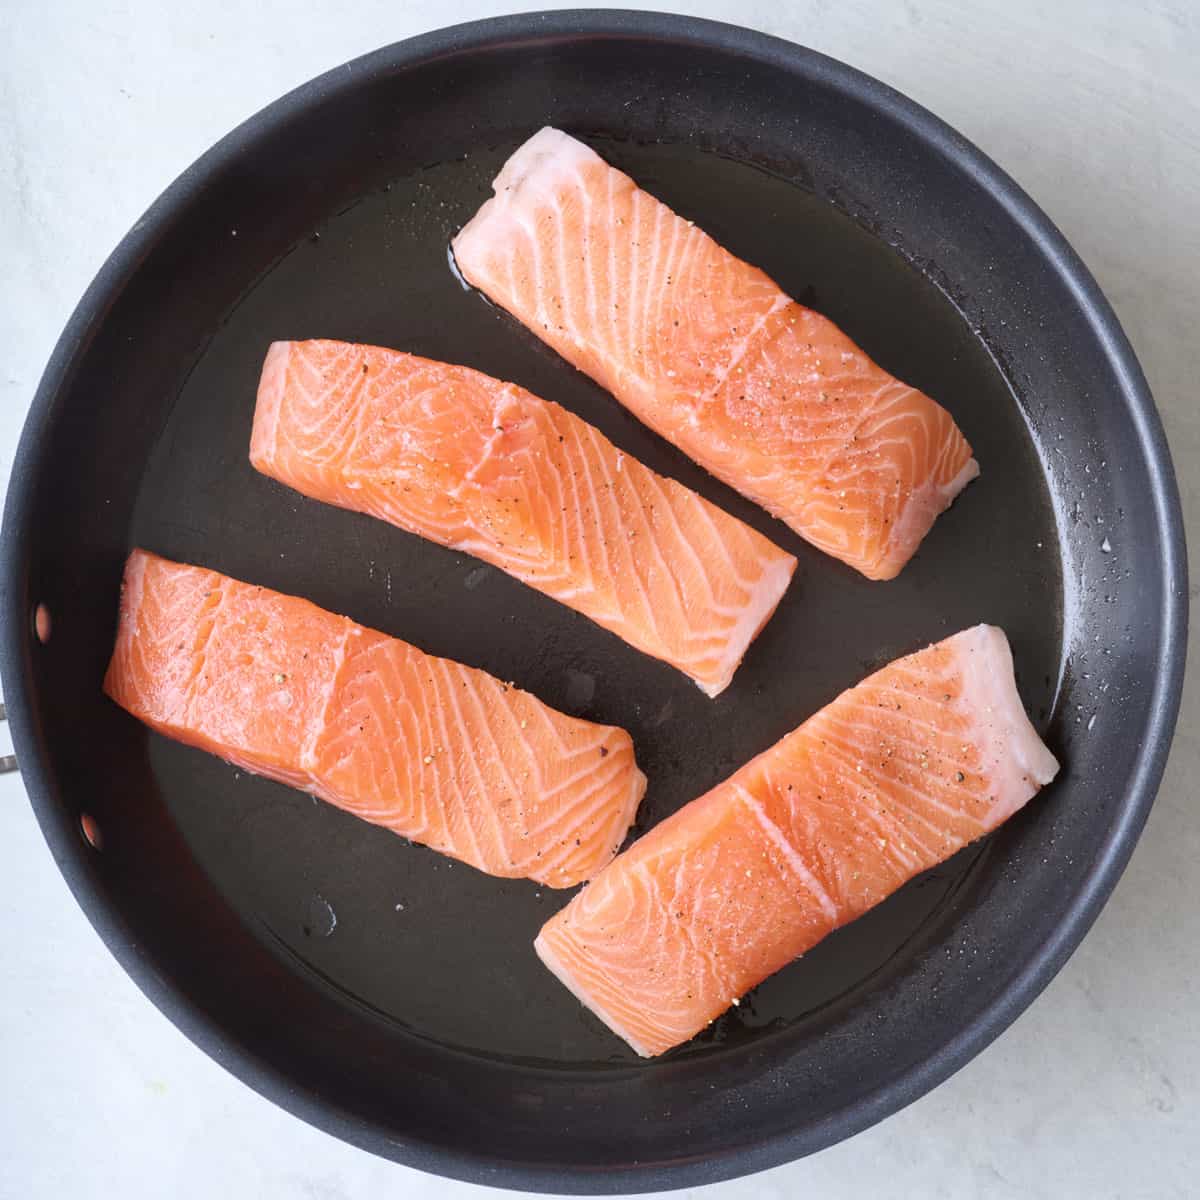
[1095, 109]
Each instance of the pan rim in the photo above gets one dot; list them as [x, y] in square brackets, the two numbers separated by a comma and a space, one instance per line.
[890, 1094]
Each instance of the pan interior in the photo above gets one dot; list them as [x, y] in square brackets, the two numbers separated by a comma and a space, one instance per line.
[431, 945]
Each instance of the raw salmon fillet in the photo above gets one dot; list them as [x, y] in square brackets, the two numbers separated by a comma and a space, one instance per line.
[485, 467]
[433, 750]
[894, 776]
[766, 394]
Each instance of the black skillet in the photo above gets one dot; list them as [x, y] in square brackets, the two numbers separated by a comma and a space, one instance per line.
[373, 987]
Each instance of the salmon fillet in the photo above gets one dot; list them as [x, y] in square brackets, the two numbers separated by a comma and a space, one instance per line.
[485, 467]
[893, 777]
[766, 394]
[435, 751]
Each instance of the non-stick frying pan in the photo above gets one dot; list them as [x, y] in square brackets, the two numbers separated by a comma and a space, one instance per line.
[377, 989]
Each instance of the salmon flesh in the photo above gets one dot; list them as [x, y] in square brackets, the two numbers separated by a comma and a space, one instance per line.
[433, 750]
[893, 777]
[487, 468]
[766, 394]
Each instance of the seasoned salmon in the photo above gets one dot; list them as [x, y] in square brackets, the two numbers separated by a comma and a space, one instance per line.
[766, 394]
[894, 776]
[433, 750]
[487, 468]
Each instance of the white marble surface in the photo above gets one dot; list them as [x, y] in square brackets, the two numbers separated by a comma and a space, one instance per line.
[1095, 108]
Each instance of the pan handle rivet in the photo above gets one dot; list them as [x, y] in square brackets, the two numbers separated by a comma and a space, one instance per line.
[91, 831]
[41, 623]
[8, 762]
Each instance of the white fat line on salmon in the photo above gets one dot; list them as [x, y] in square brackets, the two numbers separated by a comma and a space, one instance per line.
[486, 725]
[601, 780]
[584, 991]
[849, 752]
[665, 506]
[200, 653]
[775, 835]
[308, 753]
[745, 345]
[448, 699]
[763, 601]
